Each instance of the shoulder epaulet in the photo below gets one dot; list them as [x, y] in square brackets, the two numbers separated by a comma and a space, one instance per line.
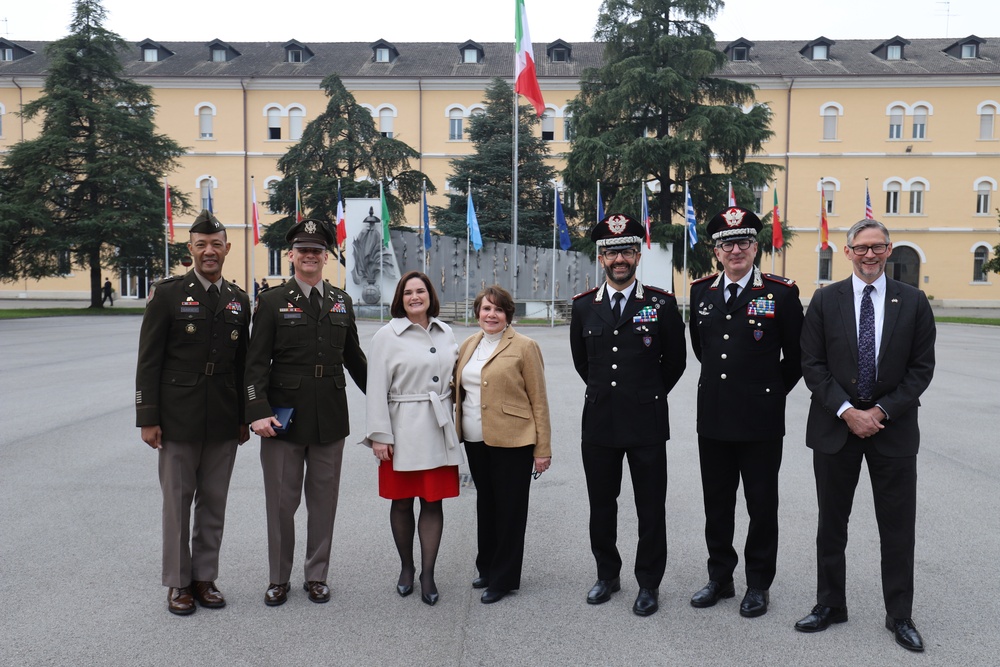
[701, 280]
[168, 279]
[237, 287]
[590, 291]
[657, 289]
[778, 279]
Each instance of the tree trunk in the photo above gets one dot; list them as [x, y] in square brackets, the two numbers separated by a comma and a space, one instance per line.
[95, 278]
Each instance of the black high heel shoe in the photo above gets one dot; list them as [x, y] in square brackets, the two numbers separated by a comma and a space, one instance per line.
[404, 590]
[429, 597]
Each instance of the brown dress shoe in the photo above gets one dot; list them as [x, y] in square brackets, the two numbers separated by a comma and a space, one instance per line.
[180, 601]
[276, 594]
[318, 591]
[208, 595]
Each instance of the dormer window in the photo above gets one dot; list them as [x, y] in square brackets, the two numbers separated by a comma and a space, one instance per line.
[821, 52]
[218, 55]
[559, 51]
[894, 52]
[294, 55]
[559, 55]
[6, 54]
[740, 54]
[382, 55]
[970, 51]
[150, 55]
[470, 56]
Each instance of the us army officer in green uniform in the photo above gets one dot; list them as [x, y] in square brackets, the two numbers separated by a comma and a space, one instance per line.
[304, 335]
[192, 348]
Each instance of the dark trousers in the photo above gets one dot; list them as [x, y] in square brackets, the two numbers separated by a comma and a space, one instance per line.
[291, 471]
[503, 480]
[648, 468]
[723, 464]
[194, 474]
[894, 488]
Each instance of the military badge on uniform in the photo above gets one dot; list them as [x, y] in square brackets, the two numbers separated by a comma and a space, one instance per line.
[647, 340]
[235, 334]
[758, 334]
[190, 328]
[339, 307]
[647, 314]
[761, 307]
[310, 227]
[234, 306]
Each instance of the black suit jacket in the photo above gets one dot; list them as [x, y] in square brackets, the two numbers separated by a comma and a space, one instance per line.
[629, 365]
[830, 365]
[749, 356]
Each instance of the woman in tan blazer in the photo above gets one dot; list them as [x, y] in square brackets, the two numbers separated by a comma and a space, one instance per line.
[502, 415]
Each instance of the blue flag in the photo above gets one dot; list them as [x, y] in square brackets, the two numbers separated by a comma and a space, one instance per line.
[211, 209]
[472, 224]
[426, 222]
[689, 217]
[564, 240]
[600, 205]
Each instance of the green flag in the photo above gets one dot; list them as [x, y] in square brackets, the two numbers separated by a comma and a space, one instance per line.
[385, 218]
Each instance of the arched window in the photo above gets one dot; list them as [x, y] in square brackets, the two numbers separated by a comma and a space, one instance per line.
[274, 123]
[295, 122]
[455, 125]
[826, 264]
[892, 191]
[987, 118]
[829, 112]
[548, 126]
[920, 122]
[917, 199]
[984, 190]
[269, 185]
[567, 128]
[205, 187]
[829, 192]
[385, 122]
[205, 119]
[979, 258]
[896, 122]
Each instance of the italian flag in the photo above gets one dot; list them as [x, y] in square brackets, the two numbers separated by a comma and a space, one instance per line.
[777, 237]
[525, 78]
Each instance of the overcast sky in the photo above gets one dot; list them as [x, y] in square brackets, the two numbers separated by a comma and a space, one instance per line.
[489, 20]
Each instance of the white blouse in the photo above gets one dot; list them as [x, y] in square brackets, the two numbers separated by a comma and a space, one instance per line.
[472, 378]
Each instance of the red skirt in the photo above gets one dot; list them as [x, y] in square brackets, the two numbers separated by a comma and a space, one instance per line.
[431, 485]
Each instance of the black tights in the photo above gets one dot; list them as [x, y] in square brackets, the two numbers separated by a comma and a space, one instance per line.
[429, 527]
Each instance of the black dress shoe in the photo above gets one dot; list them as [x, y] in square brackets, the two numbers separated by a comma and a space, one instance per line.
[645, 602]
[602, 590]
[207, 594]
[712, 593]
[489, 597]
[480, 582]
[276, 594]
[319, 592]
[821, 617]
[404, 589]
[905, 632]
[754, 603]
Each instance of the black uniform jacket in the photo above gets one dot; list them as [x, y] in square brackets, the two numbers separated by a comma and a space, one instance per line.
[191, 361]
[750, 355]
[297, 359]
[629, 366]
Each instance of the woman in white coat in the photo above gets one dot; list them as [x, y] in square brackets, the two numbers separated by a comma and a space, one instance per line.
[410, 424]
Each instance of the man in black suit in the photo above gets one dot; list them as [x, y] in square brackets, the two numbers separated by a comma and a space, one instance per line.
[627, 341]
[745, 331]
[867, 356]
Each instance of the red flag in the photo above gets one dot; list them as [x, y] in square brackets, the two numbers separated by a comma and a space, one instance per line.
[732, 195]
[168, 206]
[525, 78]
[341, 223]
[255, 213]
[777, 237]
[824, 232]
[298, 202]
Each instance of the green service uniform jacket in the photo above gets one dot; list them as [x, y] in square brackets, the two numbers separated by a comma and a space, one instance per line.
[191, 361]
[297, 359]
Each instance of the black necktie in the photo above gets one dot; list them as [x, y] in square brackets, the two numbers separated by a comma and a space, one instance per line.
[314, 300]
[213, 297]
[866, 346]
[616, 309]
[731, 299]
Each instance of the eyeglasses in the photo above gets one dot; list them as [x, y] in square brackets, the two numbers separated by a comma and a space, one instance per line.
[862, 250]
[728, 246]
[627, 253]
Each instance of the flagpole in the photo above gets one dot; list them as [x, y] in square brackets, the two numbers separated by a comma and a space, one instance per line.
[687, 234]
[381, 261]
[340, 251]
[423, 222]
[597, 265]
[513, 203]
[774, 251]
[166, 229]
[253, 248]
[468, 242]
[642, 210]
[555, 225]
[819, 234]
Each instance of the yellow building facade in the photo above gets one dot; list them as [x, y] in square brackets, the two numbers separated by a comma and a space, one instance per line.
[920, 127]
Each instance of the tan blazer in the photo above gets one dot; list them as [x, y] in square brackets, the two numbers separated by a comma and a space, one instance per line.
[515, 408]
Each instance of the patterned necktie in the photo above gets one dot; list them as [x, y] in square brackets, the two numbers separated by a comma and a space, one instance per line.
[733, 288]
[213, 297]
[616, 309]
[866, 346]
[314, 299]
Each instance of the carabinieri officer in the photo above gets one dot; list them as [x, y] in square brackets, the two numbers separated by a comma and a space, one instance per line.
[627, 341]
[745, 328]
